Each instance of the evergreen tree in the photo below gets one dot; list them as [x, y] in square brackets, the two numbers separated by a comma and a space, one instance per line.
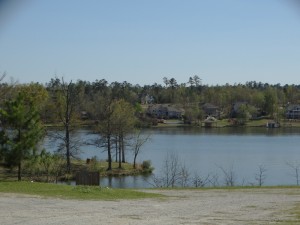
[21, 132]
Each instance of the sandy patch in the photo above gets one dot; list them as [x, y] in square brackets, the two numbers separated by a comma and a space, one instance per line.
[250, 206]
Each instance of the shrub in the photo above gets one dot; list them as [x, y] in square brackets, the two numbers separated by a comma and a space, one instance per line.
[93, 164]
[147, 167]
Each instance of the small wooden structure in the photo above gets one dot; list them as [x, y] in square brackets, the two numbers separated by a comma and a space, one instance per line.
[210, 121]
[272, 124]
[88, 178]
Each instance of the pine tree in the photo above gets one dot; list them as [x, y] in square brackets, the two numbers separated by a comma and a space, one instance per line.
[21, 131]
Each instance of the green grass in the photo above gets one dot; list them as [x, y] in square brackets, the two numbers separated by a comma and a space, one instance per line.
[294, 216]
[101, 166]
[257, 123]
[72, 192]
[77, 165]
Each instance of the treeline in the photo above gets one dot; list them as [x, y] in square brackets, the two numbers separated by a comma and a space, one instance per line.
[115, 110]
[88, 97]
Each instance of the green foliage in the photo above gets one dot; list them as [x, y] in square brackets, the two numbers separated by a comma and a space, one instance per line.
[147, 166]
[22, 131]
[243, 114]
[93, 165]
[193, 115]
[138, 108]
[116, 120]
[123, 116]
[93, 98]
[271, 102]
[44, 167]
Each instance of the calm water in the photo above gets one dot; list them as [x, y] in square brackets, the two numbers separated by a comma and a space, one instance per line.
[204, 151]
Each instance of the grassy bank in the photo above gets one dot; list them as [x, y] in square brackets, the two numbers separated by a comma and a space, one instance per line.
[227, 123]
[72, 192]
[101, 166]
[28, 174]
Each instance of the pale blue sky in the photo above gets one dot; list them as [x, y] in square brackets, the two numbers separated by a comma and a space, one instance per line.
[142, 41]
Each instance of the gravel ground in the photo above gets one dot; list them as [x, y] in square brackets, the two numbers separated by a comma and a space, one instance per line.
[243, 206]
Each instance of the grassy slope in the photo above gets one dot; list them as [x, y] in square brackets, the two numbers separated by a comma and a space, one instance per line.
[72, 192]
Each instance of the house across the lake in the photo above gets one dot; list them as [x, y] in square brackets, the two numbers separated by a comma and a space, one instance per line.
[165, 111]
[293, 112]
[211, 110]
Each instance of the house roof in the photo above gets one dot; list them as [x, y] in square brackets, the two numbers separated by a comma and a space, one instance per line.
[292, 107]
[165, 107]
[209, 106]
[210, 119]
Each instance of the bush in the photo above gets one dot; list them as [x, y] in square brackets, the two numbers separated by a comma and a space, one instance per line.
[93, 165]
[147, 167]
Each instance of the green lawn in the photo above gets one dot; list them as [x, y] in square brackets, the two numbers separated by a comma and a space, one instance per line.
[72, 192]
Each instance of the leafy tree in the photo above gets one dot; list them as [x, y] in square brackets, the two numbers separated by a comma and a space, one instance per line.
[243, 114]
[22, 131]
[258, 100]
[270, 102]
[37, 94]
[123, 120]
[52, 164]
[103, 111]
[193, 114]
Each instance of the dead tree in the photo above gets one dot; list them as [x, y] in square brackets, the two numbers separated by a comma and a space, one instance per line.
[260, 177]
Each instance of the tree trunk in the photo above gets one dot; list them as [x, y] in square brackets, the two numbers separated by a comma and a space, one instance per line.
[68, 149]
[116, 149]
[123, 149]
[134, 161]
[19, 171]
[109, 152]
[19, 164]
[120, 151]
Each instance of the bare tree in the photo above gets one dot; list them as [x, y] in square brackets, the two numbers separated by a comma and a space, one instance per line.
[199, 181]
[296, 167]
[184, 176]
[66, 99]
[260, 177]
[170, 172]
[138, 141]
[229, 175]
[173, 173]
[214, 180]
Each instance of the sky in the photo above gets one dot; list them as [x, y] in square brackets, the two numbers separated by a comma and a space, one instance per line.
[142, 41]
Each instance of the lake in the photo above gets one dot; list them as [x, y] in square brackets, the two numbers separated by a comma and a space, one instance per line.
[209, 151]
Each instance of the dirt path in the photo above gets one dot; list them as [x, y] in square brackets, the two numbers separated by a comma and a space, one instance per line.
[244, 206]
